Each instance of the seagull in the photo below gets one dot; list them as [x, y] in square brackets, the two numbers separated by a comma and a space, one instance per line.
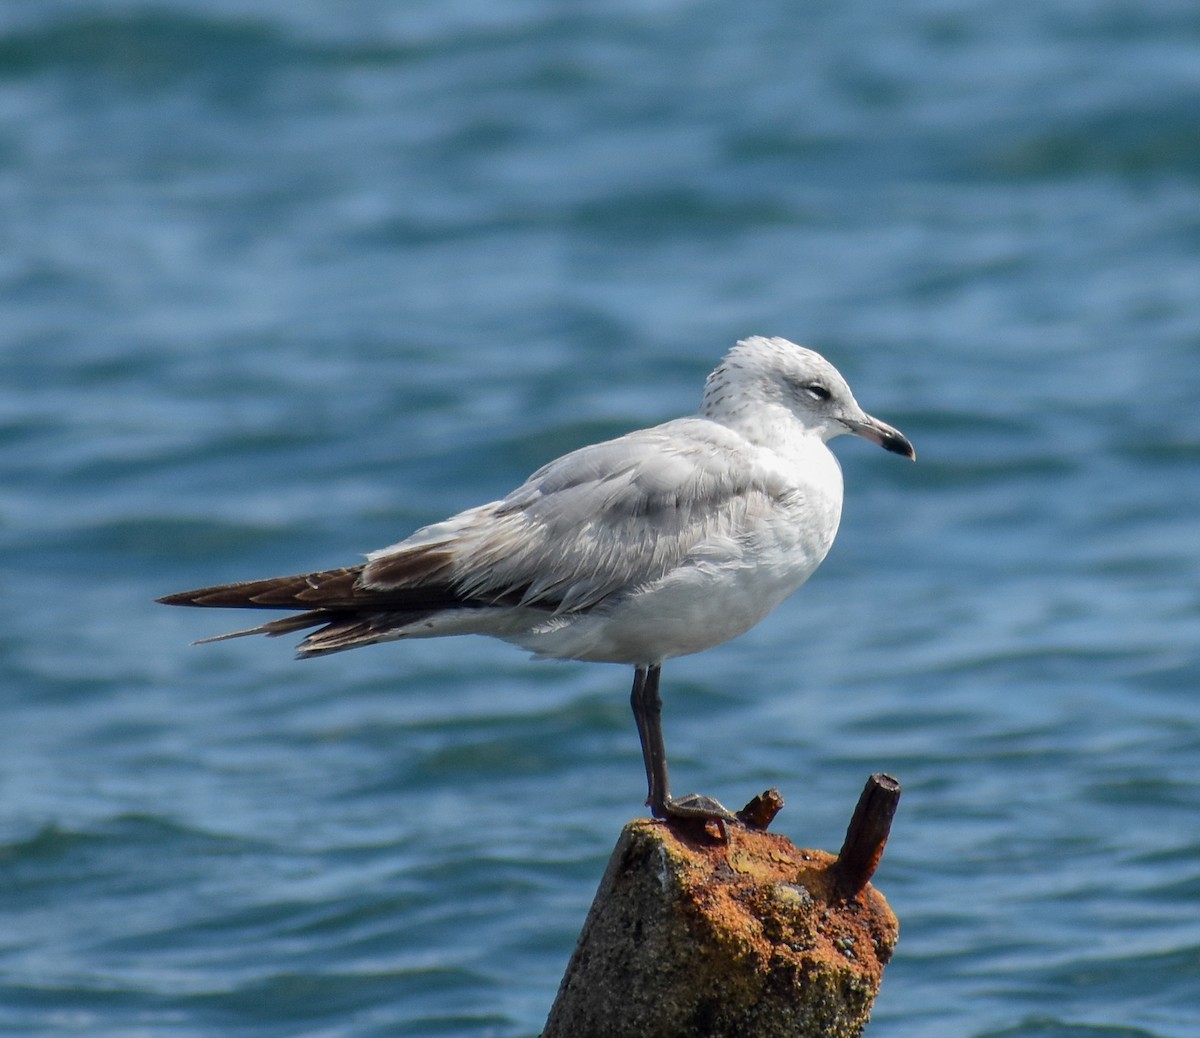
[660, 543]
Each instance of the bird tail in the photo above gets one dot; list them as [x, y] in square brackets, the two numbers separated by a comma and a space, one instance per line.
[274, 628]
[333, 600]
[338, 631]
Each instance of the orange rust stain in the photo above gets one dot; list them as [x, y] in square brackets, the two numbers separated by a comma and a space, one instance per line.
[774, 902]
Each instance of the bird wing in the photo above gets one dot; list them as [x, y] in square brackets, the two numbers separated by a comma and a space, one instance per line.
[596, 522]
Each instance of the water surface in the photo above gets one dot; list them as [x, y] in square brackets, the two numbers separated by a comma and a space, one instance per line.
[282, 282]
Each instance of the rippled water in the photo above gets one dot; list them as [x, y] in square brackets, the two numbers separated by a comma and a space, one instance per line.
[283, 281]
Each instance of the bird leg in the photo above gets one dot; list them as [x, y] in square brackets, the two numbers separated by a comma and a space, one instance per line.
[647, 713]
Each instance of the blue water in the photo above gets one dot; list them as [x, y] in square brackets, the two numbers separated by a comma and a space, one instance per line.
[281, 281]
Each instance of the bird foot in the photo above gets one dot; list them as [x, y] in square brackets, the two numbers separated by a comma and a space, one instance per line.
[693, 806]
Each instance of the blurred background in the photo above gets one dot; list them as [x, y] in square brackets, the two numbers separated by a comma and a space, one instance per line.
[282, 281]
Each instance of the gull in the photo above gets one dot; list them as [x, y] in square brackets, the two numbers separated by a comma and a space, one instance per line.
[660, 543]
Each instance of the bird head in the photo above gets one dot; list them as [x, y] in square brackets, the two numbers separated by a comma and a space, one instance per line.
[761, 370]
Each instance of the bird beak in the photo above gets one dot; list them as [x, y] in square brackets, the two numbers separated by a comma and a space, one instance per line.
[882, 434]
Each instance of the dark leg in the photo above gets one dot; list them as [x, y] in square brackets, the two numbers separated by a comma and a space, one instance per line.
[647, 713]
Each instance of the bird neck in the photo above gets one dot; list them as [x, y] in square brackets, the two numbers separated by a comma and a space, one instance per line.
[766, 424]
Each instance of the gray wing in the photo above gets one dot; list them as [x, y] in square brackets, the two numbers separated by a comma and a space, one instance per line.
[594, 523]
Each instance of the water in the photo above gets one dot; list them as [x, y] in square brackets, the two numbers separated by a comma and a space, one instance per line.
[282, 281]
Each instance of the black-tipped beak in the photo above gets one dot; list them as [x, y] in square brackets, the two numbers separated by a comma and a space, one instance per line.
[883, 434]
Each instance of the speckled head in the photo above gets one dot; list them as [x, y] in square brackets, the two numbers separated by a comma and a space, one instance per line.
[773, 371]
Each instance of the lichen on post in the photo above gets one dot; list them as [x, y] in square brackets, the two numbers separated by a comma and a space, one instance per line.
[746, 936]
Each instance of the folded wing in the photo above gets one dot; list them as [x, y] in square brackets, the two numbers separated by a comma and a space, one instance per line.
[597, 523]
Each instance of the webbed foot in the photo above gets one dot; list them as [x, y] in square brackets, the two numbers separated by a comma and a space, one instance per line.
[693, 806]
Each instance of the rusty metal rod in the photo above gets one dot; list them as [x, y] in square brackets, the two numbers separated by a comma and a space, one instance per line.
[867, 834]
[761, 811]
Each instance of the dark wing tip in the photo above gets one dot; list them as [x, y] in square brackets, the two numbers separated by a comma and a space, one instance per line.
[179, 598]
[221, 595]
[332, 588]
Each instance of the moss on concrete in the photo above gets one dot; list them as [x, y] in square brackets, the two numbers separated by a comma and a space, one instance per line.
[689, 935]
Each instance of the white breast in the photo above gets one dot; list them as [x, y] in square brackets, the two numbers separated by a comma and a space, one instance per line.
[723, 587]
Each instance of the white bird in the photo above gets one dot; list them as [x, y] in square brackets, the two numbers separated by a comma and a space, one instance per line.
[660, 543]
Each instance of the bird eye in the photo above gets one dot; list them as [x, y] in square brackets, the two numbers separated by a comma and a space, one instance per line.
[817, 391]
